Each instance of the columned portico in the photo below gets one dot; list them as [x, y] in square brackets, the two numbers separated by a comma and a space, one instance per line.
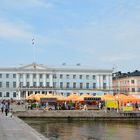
[35, 78]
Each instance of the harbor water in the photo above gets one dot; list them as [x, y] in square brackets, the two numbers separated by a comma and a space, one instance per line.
[86, 130]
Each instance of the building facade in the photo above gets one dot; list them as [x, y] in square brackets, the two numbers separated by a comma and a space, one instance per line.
[19, 82]
[128, 83]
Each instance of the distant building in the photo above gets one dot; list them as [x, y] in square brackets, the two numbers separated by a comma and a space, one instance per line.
[19, 82]
[128, 83]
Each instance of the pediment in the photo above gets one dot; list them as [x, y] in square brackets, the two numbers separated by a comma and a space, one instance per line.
[33, 66]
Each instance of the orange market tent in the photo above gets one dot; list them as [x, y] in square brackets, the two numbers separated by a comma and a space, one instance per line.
[121, 98]
[72, 97]
[60, 98]
[127, 98]
[49, 96]
[133, 99]
[38, 96]
[108, 97]
[81, 98]
[30, 97]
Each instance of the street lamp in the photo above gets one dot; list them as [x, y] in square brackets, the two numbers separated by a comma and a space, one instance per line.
[117, 100]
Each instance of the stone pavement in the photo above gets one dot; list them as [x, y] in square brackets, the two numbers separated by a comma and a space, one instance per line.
[12, 128]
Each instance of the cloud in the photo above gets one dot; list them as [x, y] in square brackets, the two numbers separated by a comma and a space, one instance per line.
[13, 31]
[26, 4]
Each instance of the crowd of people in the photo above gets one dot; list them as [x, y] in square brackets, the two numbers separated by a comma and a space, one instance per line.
[5, 106]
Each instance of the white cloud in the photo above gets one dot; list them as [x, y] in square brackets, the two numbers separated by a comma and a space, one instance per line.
[14, 31]
[26, 4]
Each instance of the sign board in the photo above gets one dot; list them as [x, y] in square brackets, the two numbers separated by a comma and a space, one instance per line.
[111, 104]
[127, 108]
[47, 99]
[92, 99]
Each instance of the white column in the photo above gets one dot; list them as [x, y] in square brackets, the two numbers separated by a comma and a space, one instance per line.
[37, 79]
[107, 82]
[19, 95]
[31, 79]
[101, 81]
[24, 79]
[26, 94]
[17, 80]
[98, 81]
[51, 80]
[44, 80]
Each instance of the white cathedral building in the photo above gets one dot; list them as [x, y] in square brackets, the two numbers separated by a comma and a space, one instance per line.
[19, 82]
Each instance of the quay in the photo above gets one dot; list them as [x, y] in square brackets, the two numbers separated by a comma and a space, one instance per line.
[13, 128]
[79, 114]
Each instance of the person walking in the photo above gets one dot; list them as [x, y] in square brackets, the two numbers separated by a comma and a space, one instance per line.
[6, 108]
[2, 107]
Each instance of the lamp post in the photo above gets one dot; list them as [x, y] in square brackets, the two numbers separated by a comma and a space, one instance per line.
[117, 103]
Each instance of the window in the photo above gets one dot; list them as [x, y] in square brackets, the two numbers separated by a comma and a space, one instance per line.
[48, 84]
[138, 89]
[34, 84]
[74, 85]
[21, 84]
[61, 76]
[87, 77]
[47, 76]
[104, 77]
[132, 81]
[81, 85]
[14, 75]
[74, 76]
[0, 84]
[54, 84]
[68, 85]
[68, 76]
[0, 94]
[41, 84]
[14, 94]
[94, 77]
[40, 76]
[7, 84]
[133, 89]
[0, 75]
[34, 75]
[80, 76]
[27, 76]
[54, 76]
[87, 85]
[7, 75]
[94, 85]
[27, 84]
[104, 85]
[14, 84]
[7, 94]
[61, 84]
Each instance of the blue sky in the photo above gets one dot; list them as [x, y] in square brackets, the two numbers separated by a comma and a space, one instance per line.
[96, 33]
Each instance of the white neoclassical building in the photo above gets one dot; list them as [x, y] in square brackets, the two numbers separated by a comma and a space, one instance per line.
[19, 82]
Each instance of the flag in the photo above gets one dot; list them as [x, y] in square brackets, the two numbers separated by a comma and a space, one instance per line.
[33, 41]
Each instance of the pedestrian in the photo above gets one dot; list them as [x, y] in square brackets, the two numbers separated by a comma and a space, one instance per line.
[6, 109]
[2, 107]
[136, 106]
[99, 105]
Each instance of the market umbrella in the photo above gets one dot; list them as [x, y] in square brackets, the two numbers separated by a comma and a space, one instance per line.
[38, 96]
[108, 97]
[60, 98]
[72, 97]
[30, 97]
[81, 98]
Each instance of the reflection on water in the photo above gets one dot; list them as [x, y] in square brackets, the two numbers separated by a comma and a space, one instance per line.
[87, 130]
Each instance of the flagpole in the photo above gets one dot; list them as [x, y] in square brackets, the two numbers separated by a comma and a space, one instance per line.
[34, 50]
